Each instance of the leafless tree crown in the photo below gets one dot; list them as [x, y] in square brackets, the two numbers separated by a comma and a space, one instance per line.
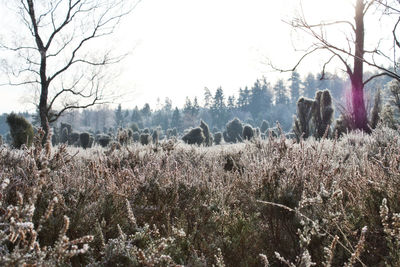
[59, 50]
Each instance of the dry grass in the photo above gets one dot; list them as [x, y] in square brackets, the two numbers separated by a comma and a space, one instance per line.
[276, 202]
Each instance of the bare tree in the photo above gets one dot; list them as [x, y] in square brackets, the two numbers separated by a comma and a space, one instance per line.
[56, 48]
[352, 54]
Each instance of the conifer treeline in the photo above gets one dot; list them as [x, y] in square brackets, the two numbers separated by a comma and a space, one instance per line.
[262, 101]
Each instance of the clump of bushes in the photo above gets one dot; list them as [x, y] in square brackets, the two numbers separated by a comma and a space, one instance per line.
[124, 136]
[217, 138]
[84, 139]
[174, 132]
[103, 140]
[314, 117]
[322, 113]
[145, 138]
[387, 117]
[134, 127]
[264, 126]
[65, 131]
[342, 125]
[73, 139]
[376, 110]
[206, 131]
[194, 136]
[21, 130]
[155, 136]
[233, 132]
[248, 132]
[136, 137]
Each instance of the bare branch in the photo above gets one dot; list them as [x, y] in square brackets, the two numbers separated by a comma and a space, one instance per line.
[298, 62]
[332, 23]
[64, 90]
[19, 84]
[387, 6]
[18, 48]
[369, 4]
[375, 76]
[68, 18]
[324, 67]
[394, 32]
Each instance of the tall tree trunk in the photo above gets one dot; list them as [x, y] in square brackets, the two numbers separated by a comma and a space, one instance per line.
[44, 83]
[43, 112]
[357, 85]
[44, 92]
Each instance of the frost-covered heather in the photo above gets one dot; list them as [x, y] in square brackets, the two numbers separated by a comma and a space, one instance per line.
[276, 202]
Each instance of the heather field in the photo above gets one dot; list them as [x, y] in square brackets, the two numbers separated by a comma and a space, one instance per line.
[273, 202]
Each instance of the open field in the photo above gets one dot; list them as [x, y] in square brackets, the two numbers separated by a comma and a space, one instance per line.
[331, 202]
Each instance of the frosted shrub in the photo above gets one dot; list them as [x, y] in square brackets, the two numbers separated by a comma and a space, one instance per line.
[234, 131]
[20, 129]
[248, 132]
[194, 136]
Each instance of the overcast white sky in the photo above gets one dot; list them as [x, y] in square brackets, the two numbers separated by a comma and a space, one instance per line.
[181, 46]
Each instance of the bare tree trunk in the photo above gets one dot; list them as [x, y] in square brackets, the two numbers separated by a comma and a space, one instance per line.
[43, 111]
[44, 84]
[357, 85]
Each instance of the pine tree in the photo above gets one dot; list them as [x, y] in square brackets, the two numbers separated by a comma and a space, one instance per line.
[146, 110]
[280, 93]
[207, 98]
[176, 121]
[119, 117]
[167, 105]
[218, 108]
[231, 103]
[295, 83]
[260, 100]
[196, 107]
[137, 117]
[188, 107]
[310, 86]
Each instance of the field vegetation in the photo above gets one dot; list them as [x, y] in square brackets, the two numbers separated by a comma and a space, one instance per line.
[273, 202]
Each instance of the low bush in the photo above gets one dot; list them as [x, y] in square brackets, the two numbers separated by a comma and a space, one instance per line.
[194, 136]
[145, 139]
[234, 131]
[217, 138]
[20, 129]
[248, 132]
[84, 139]
[103, 140]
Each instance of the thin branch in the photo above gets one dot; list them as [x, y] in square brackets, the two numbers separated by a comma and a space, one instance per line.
[58, 114]
[298, 62]
[394, 32]
[19, 84]
[19, 48]
[374, 76]
[387, 6]
[68, 18]
[332, 23]
[367, 7]
[324, 67]
[59, 93]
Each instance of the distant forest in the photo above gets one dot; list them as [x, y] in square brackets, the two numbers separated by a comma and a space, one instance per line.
[262, 101]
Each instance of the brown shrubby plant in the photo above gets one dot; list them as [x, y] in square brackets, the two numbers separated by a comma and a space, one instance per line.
[20, 129]
[269, 202]
[20, 233]
[314, 116]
